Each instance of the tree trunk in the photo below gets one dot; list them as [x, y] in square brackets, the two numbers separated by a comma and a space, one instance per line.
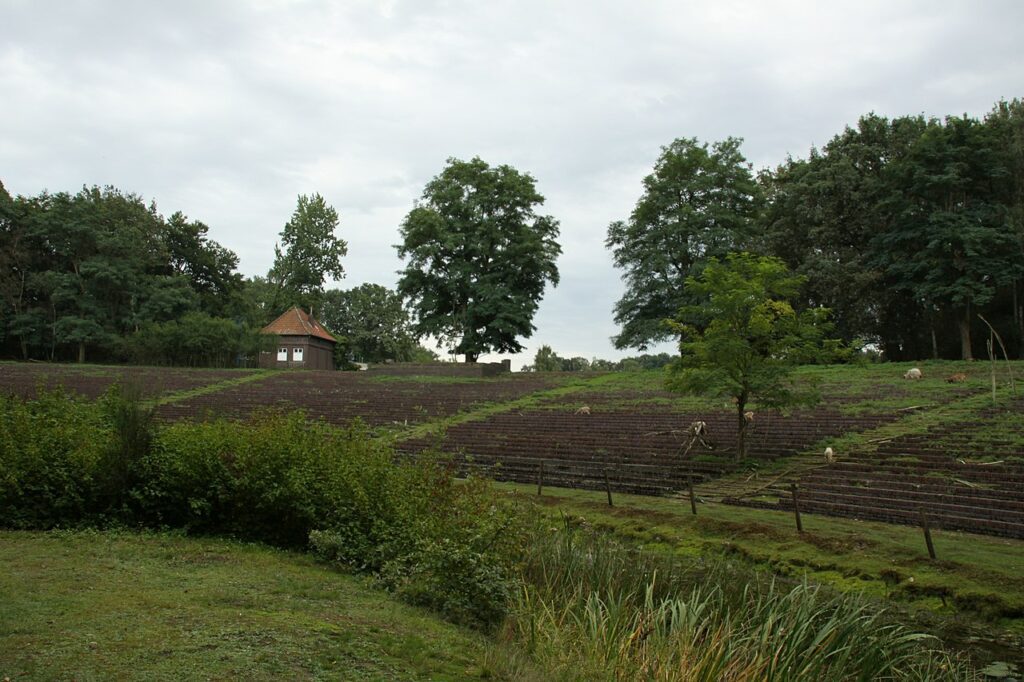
[965, 335]
[1018, 315]
[741, 433]
[81, 352]
[935, 345]
[471, 357]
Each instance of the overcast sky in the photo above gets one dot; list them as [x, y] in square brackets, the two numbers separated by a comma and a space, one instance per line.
[229, 110]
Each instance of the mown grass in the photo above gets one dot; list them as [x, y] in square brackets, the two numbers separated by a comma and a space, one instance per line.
[113, 605]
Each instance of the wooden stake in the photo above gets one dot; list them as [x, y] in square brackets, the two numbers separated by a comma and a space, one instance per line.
[608, 487]
[927, 533]
[540, 477]
[693, 498]
[796, 508]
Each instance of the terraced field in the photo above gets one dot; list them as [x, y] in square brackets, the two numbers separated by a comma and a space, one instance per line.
[904, 446]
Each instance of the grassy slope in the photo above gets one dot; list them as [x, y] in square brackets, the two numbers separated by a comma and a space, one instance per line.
[93, 606]
[974, 573]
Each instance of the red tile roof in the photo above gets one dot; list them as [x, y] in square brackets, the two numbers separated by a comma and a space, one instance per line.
[297, 322]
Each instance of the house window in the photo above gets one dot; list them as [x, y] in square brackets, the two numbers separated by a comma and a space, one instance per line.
[282, 355]
[297, 354]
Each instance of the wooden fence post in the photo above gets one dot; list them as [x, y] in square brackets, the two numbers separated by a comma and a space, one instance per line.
[796, 508]
[927, 532]
[608, 487]
[540, 477]
[693, 498]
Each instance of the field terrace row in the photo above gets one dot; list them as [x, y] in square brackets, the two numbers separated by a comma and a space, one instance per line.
[640, 452]
[958, 483]
[25, 380]
[340, 397]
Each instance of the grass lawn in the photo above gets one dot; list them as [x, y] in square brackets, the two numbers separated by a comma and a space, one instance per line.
[105, 606]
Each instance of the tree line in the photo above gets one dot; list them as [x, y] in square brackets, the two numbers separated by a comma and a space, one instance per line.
[908, 229]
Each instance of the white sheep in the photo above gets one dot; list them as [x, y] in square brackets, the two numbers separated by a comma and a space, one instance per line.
[912, 373]
[749, 417]
[583, 410]
[830, 456]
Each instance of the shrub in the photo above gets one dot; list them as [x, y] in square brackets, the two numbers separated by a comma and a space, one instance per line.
[50, 451]
[279, 478]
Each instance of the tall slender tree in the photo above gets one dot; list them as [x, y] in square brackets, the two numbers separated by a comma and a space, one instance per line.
[309, 252]
[700, 202]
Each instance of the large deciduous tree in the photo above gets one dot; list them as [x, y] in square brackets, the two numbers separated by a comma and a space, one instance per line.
[308, 253]
[743, 339]
[478, 257]
[699, 203]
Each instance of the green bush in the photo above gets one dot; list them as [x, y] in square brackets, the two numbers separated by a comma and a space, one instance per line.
[278, 478]
[50, 452]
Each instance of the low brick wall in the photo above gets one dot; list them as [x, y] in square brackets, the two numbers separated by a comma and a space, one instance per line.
[444, 369]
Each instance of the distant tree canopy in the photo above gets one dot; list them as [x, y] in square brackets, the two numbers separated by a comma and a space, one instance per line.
[369, 322]
[907, 228]
[699, 203]
[478, 257]
[81, 274]
[547, 360]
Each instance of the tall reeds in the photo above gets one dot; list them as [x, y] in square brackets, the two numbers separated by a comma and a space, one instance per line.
[590, 609]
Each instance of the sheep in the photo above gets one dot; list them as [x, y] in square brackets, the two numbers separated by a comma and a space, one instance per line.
[913, 373]
[957, 378]
[830, 456]
[583, 410]
[748, 417]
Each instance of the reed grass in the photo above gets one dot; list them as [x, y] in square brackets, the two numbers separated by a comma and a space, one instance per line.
[592, 609]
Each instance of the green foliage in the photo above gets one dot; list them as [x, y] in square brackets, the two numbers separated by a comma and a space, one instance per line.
[278, 479]
[591, 608]
[744, 339]
[49, 451]
[905, 227]
[479, 257]
[196, 340]
[307, 255]
[699, 203]
[80, 273]
[369, 322]
[950, 245]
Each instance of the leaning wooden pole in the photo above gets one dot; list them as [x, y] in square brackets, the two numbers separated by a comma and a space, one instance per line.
[927, 533]
[796, 508]
[540, 477]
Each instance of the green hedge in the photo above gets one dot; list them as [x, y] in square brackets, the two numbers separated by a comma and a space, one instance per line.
[279, 478]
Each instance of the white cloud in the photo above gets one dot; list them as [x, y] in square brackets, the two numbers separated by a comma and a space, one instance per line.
[227, 111]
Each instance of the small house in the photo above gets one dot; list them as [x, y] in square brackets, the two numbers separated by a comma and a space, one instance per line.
[301, 343]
